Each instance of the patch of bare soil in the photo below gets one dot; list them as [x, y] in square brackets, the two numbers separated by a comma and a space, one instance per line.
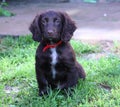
[9, 89]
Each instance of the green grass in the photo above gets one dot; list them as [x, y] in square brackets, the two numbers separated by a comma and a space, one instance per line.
[82, 48]
[116, 47]
[18, 87]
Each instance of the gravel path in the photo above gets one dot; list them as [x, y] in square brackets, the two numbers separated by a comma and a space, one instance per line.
[94, 21]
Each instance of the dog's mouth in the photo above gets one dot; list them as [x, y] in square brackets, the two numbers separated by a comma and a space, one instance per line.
[51, 38]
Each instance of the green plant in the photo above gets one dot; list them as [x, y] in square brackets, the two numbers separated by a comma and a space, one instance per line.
[4, 12]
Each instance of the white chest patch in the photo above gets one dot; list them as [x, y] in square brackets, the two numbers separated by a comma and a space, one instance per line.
[54, 61]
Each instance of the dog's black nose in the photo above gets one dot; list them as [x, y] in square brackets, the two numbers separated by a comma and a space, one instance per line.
[50, 32]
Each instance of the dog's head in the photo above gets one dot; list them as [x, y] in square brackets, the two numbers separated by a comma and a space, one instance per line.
[53, 26]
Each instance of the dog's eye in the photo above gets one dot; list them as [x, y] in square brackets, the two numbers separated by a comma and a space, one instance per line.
[44, 21]
[57, 21]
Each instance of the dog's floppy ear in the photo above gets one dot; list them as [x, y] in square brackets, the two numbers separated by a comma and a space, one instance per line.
[35, 29]
[68, 28]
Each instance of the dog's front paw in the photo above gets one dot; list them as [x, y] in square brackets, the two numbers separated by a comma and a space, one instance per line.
[61, 86]
[43, 92]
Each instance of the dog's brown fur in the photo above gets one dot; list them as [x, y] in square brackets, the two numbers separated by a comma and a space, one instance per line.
[49, 28]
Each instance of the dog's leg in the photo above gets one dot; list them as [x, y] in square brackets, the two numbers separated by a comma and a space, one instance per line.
[81, 71]
[72, 80]
[42, 82]
[73, 76]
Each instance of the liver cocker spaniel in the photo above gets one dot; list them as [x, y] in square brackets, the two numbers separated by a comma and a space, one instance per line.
[56, 64]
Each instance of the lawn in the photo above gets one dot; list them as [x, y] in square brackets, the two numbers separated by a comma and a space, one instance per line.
[18, 87]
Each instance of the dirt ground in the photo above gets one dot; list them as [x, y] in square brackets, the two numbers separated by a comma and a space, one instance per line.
[100, 21]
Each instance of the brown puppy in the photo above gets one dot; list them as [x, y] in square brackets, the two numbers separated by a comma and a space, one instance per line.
[56, 65]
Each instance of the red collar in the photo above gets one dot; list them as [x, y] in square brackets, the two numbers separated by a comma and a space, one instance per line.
[51, 46]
